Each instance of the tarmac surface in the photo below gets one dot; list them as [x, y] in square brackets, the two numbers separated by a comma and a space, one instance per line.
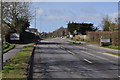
[56, 58]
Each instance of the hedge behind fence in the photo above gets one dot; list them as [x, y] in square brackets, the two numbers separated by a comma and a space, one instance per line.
[113, 35]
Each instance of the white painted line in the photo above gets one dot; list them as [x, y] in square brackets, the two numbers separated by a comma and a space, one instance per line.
[97, 56]
[111, 55]
[88, 61]
[68, 51]
[118, 76]
[71, 52]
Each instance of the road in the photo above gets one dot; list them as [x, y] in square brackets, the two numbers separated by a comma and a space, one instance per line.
[56, 58]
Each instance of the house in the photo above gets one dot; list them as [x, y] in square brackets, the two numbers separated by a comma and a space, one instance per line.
[5, 30]
[32, 30]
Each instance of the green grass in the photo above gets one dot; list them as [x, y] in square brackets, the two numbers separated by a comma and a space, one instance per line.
[7, 46]
[113, 53]
[74, 43]
[73, 39]
[112, 47]
[18, 65]
[92, 42]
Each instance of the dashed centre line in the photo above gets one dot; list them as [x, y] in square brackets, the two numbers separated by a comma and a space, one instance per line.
[74, 54]
[83, 59]
[71, 52]
[88, 61]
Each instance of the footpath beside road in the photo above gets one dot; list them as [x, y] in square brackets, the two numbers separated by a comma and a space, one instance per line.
[95, 46]
[8, 55]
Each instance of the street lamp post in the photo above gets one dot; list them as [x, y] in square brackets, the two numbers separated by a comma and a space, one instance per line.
[36, 17]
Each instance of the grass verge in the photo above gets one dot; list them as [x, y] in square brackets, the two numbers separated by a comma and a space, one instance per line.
[113, 47]
[18, 65]
[7, 47]
[113, 53]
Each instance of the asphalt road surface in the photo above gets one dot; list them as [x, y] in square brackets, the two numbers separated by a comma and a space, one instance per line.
[55, 58]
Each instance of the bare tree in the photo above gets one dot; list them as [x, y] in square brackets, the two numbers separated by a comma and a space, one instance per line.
[109, 25]
[106, 23]
[13, 11]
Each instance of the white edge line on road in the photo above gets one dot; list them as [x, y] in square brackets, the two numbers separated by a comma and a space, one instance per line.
[110, 55]
[88, 61]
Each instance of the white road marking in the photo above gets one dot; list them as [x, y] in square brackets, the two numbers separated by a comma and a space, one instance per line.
[71, 52]
[97, 56]
[118, 76]
[111, 55]
[68, 51]
[88, 61]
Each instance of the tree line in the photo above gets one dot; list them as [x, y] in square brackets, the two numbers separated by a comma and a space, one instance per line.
[80, 28]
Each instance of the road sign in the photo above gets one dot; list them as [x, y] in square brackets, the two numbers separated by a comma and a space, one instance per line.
[14, 36]
[105, 40]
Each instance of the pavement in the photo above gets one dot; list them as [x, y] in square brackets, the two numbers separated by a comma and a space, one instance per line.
[55, 58]
[10, 54]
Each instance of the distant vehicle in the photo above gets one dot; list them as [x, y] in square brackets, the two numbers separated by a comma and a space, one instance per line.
[41, 36]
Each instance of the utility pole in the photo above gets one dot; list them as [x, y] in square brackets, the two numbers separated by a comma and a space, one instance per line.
[1, 55]
[35, 17]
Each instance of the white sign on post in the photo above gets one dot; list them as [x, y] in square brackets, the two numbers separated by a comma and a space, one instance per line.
[104, 40]
[14, 36]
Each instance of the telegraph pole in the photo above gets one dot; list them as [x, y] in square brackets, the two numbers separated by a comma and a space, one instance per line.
[35, 17]
[1, 55]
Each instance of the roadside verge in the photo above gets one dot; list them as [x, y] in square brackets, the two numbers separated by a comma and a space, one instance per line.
[17, 67]
[7, 47]
[113, 51]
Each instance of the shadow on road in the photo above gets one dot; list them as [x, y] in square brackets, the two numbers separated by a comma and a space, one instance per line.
[51, 64]
[30, 69]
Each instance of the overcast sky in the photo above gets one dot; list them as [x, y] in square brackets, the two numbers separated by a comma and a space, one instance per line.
[52, 15]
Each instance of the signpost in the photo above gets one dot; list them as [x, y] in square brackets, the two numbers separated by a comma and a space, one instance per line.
[104, 41]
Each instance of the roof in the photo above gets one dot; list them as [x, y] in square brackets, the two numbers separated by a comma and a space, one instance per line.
[31, 29]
